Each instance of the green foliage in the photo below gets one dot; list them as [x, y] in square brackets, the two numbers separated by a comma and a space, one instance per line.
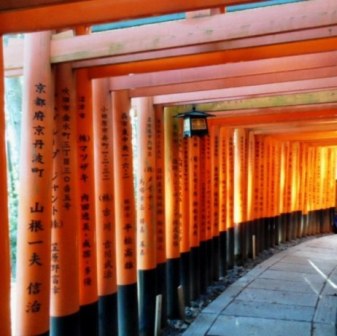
[13, 107]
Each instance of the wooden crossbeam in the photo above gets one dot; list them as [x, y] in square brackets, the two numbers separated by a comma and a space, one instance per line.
[61, 14]
[200, 38]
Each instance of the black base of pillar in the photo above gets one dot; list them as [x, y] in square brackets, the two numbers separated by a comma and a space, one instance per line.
[172, 284]
[107, 315]
[230, 248]
[185, 276]
[127, 310]
[215, 258]
[161, 288]
[147, 301]
[223, 253]
[209, 264]
[203, 267]
[89, 319]
[65, 325]
[195, 272]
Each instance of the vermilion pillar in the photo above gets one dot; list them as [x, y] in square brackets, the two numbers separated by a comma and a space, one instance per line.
[33, 255]
[230, 200]
[184, 217]
[214, 140]
[4, 231]
[87, 243]
[105, 209]
[223, 208]
[146, 214]
[64, 283]
[194, 213]
[125, 216]
[208, 208]
[203, 217]
[171, 133]
[240, 194]
[160, 208]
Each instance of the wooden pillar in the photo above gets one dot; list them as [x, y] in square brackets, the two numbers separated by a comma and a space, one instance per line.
[171, 132]
[88, 260]
[184, 204]
[5, 271]
[160, 209]
[64, 308]
[214, 134]
[239, 195]
[125, 217]
[194, 213]
[208, 205]
[33, 255]
[146, 214]
[230, 201]
[105, 210]
[203, 217]
[223, 208]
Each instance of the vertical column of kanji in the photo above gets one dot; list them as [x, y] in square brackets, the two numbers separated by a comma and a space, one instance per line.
[304, 188]
[268, 195]
[146, 215]
[310, 190]
[292, 188]
[5, 324]
[331, 186]
[239, 195]
[256, 171]
[33, 255]
[185, 249]
[250, 191]
[125, 217]
[223, 201]
[327, 191]
[87, 244]
[203, 220]
[160, 209]
[105, 212]
[286, 192]
[194, 209]
[263, 192]
[171, 133]
[64, 308]
[214, 134]
[281, 195]
[208, 212]
[270, 191]
[277, 192]
[230, 199]
[301, 167]
[320, 198]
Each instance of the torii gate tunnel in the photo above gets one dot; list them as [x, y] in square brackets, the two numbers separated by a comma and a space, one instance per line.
[117, 209]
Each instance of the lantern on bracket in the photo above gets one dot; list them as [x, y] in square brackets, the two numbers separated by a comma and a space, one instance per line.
[195, 122]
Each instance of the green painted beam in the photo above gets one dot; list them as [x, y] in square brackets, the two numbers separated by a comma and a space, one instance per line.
[311, 98]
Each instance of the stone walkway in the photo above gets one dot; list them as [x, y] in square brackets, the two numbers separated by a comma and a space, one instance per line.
[292, 293]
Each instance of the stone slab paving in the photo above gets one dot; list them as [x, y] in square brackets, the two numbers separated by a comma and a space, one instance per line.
[293, 293]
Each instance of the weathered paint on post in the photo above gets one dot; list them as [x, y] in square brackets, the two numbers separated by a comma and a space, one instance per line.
[87, 243]
[34, 231]
[125, 216]
[64, 309]
[5, 272]
[146, 214]
[105, 209]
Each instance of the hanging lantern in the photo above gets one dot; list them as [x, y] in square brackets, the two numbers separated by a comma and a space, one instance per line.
[195, 122]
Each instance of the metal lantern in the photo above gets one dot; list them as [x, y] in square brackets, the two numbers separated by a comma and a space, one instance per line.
[195, 123]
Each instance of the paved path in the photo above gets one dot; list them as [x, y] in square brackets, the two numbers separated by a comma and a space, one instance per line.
[292, 293]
